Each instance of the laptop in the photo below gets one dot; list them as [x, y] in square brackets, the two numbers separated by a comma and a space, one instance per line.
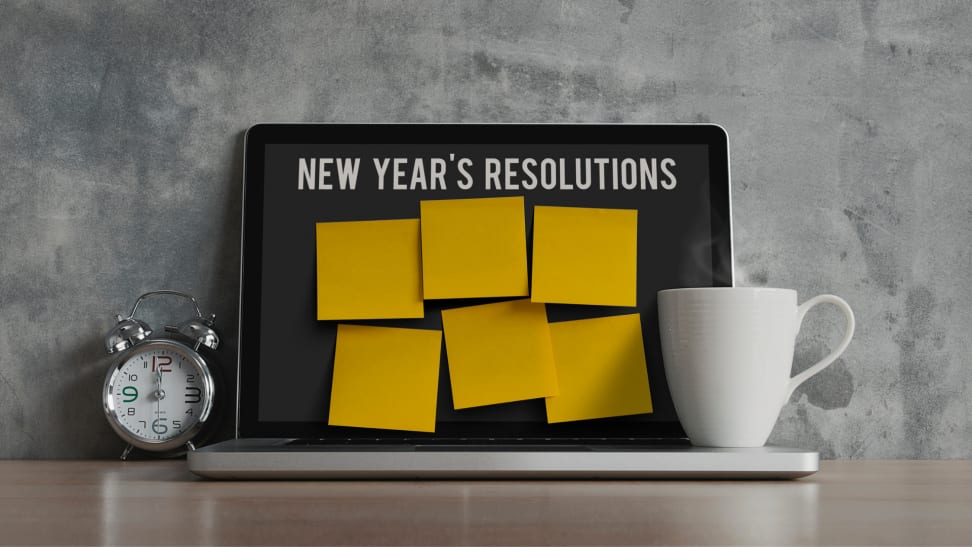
[298, 175]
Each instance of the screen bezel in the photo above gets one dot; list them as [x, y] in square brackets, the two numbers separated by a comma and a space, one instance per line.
[259, 136]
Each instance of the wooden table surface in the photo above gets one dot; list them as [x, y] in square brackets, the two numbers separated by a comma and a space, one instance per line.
[132, 503]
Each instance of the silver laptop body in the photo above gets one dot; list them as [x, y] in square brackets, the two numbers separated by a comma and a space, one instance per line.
[282, 370]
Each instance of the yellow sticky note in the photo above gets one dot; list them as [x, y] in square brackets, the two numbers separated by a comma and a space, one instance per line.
[385, 378]
[601, 369]
[499, 353]
[369, 270]
[585, 256]
[473, 248]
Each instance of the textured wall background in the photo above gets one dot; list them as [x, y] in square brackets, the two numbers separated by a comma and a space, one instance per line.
[850, 126]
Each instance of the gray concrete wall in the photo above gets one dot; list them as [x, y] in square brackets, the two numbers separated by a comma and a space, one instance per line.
[850, 126]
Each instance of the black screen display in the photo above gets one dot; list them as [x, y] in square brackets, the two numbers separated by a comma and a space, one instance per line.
[287, 368]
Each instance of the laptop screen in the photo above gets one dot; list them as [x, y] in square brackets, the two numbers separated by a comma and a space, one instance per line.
[299, 175]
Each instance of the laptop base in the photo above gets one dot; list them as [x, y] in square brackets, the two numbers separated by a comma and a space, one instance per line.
[279, 459]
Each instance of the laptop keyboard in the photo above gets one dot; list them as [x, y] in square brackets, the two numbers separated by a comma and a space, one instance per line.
[444, 444]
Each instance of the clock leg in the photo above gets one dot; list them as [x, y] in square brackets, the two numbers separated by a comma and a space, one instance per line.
[190, 447]
[126, 452]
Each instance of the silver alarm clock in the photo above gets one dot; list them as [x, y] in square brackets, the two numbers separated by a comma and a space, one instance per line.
[159, 394]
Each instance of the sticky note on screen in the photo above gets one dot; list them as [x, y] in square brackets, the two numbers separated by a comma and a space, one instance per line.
[601, 369]
[499, 353]
[369, 270]
[585, 256]
[473, 248]
[385, 378]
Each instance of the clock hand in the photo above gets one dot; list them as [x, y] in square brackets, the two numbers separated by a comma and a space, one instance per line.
[158, 385]
[158, 395]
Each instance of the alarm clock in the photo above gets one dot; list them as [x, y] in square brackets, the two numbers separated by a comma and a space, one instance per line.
[160, 392]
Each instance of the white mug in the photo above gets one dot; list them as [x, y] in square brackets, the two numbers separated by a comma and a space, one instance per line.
[727, 353]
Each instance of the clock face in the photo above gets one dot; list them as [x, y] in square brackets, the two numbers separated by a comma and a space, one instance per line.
[159, 395]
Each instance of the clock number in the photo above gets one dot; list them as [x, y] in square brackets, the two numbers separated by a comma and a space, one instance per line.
[131, 411]
[159, 427]
[190, 378]
[193, 394]
[133, 377]
[176, 424]
[162, 362]
[189, 412]
[143, 422]
[130, 391]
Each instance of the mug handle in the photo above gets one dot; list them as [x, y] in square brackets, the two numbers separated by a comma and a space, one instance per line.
[801, 313]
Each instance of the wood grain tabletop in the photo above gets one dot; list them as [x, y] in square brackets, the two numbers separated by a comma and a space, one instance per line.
[161, 503]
